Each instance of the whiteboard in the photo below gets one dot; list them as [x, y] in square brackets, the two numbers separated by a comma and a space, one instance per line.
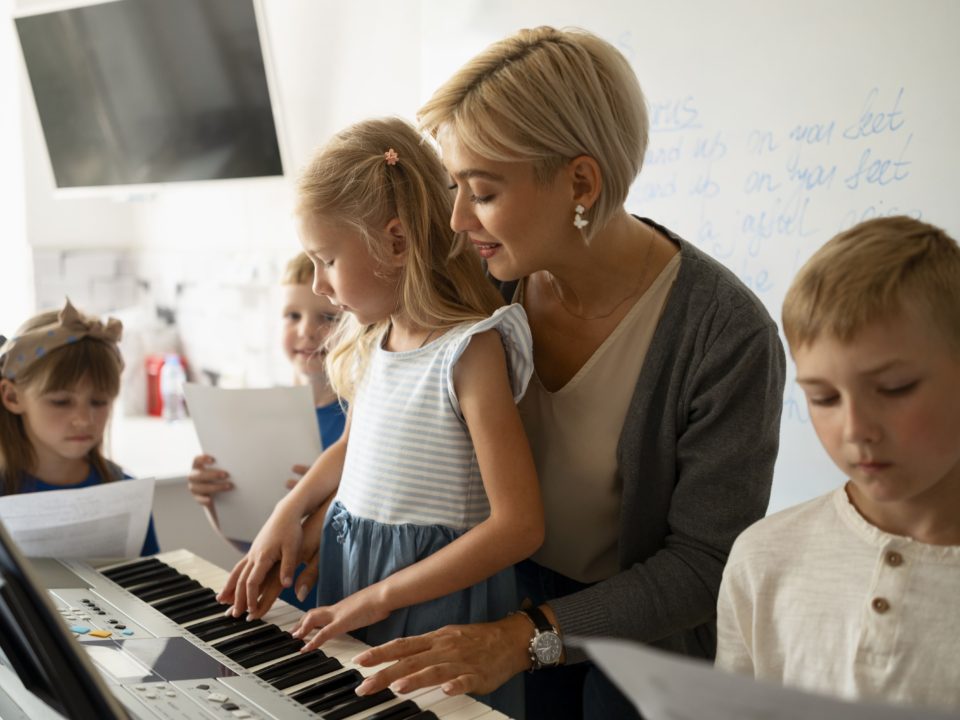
[774, 125]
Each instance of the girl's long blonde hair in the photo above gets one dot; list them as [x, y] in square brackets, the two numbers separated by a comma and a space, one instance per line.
[61, 369]
[442, 282]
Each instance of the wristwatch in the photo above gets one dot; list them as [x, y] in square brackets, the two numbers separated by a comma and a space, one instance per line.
[546, 647]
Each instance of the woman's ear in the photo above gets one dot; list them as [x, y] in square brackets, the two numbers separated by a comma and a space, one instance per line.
[398, 241]
[587, 180]
[10, 397]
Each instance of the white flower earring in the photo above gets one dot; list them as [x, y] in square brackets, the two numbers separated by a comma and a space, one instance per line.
[578, 222]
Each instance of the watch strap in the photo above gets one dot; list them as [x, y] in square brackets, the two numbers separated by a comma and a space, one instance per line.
[539, 620]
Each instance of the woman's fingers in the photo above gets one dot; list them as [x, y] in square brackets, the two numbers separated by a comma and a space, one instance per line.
[461, 658]
[400, 648]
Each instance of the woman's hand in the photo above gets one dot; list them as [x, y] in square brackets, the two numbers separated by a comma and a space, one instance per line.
[204, 481]
[475, 658]
[359, 610]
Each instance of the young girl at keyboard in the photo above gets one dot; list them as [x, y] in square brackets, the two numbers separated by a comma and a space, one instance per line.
[59, 376]
[436, 492]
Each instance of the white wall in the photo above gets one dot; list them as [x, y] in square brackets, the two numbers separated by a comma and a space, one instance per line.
[16, 294]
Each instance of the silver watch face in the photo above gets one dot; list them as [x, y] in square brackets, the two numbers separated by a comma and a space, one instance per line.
[548, 647]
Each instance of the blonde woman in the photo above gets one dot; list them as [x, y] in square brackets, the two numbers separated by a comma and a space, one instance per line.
[654, 409]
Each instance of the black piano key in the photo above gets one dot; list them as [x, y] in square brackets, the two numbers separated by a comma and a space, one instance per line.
[306, 659]
[210, 630]
[268, 651]
[134, 574]
[295, 677]
[322, 687]
[401, 711]
[359, 704]
[148, 584]
[180, 617]
[199, 610]
[145, 576]
[132, 567]
[251, 648]
[334, 699]
[425, 715]
[189, 596]
[175, 606]
[267, 632]
[164, 590]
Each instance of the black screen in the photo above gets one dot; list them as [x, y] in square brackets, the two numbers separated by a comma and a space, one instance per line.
[151, 91]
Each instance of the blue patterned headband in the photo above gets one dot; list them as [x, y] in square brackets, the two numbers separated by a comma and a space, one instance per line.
[29, 345]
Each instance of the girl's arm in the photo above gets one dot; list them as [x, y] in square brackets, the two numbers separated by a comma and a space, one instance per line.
[511, 533]
[279, 544]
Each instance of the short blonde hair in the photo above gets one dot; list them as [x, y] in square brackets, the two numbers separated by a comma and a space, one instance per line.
[299, 271]
[872, 271]
[547, 96]
[350, 182]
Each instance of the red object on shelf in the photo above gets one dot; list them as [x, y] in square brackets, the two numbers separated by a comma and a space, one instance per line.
[154, 401]
[154, 364]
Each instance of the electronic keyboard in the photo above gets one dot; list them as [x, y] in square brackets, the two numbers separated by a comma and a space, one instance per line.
[164, 647]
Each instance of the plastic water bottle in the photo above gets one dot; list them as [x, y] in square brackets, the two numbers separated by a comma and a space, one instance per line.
[172, 378]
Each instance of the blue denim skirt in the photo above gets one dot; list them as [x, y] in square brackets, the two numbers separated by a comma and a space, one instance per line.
[357, 552]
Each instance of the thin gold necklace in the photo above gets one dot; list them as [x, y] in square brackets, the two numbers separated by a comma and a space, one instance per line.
[611, 311]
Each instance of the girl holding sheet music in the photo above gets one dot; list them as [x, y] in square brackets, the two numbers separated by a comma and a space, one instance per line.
[59, 376]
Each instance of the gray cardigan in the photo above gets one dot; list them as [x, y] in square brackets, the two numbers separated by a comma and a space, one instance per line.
[695, 456]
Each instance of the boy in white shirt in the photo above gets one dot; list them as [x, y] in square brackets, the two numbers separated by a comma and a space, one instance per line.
[857, 593]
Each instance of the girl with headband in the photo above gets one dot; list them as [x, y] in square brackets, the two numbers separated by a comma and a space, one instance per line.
[59, 376]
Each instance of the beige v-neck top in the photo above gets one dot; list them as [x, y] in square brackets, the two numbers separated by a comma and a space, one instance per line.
[574, 433]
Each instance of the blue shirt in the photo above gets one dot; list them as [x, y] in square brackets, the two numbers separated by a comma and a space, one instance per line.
[331, 419]
[29, 483]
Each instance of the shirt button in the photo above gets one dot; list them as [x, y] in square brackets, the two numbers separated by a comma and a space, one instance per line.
[894, 559]
[880, 605]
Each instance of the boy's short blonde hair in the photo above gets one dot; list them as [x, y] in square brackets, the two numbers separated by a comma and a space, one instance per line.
[872, 271]
[546, 96]
[299, 271]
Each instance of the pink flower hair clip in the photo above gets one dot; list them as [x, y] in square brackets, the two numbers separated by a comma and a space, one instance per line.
[391, 156]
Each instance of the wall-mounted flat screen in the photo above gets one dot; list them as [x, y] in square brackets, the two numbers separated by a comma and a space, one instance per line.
[151, 91]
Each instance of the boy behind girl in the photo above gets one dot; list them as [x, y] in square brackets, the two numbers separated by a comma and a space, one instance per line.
[857, 593]
[307, 321]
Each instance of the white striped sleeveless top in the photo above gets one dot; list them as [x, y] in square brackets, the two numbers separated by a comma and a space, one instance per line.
[410, 458]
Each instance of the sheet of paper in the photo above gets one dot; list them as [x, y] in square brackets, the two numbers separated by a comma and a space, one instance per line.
[105, 520]
[257, 435]
[665, 686]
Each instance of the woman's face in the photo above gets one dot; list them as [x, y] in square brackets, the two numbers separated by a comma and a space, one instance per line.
[517, 224]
